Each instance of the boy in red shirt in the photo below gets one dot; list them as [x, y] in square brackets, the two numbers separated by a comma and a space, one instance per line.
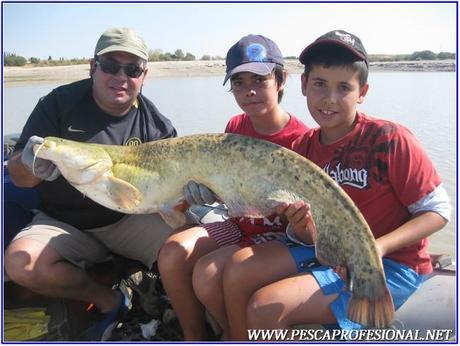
[381, 166]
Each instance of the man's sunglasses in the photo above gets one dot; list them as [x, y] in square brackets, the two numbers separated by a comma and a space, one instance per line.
[112, 67]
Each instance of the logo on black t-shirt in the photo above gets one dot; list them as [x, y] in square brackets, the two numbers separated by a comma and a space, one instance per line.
[71, 129]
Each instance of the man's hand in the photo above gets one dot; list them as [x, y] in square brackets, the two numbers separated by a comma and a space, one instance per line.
[195, 193]
[41, 168]
[301, 220]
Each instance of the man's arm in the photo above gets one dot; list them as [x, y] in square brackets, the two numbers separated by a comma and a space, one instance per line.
[26, 170]
[20, 174]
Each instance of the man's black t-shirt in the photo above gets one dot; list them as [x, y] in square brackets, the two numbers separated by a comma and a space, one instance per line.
[70, 112]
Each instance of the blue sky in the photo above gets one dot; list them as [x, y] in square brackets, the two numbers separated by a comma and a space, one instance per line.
[70, 30]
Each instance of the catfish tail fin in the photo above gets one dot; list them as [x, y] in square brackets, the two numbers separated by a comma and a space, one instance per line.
[377, 313]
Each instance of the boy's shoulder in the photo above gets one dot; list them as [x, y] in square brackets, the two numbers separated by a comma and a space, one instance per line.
[238, 118]
[237, 123]
[300, 145]
[382, 126]
[297, 122]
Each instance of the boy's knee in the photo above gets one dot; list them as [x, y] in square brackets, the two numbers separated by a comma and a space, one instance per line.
[235, 271]
[259, 313]
[171, 255]
[202, 279]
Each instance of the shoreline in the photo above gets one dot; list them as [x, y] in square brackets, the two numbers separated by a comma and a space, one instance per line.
[20, 76]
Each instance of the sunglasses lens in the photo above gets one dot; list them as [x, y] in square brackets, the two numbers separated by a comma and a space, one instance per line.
[133, 71]
[112, 67]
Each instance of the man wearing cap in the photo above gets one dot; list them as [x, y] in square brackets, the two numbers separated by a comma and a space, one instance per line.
[70, 232]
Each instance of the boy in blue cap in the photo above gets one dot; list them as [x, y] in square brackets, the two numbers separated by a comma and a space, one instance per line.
[257, 77]
[396, 187]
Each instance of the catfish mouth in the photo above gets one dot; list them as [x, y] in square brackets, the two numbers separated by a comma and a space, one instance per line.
[88, 167]
[40, 150]
[50, 150]
[38, 147]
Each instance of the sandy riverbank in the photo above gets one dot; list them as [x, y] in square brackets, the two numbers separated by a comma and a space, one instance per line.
[59, 74]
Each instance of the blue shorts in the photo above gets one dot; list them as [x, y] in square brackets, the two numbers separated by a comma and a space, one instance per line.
[402, 281]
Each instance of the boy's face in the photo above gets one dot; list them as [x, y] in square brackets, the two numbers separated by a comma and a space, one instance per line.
[255, 94]
[332, 95]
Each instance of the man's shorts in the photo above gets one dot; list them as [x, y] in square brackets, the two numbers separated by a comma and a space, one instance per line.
[228, 233]
[402, 281]
[137, 237]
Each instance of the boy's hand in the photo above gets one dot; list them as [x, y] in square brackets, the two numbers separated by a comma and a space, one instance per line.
[41, 168]
[301, 220]
[342, 272]
[195, 193]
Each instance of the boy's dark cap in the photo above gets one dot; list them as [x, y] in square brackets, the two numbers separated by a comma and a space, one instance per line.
[339, 38]
[253, 53]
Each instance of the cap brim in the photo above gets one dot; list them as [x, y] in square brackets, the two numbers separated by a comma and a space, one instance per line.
[133, 51]
[260, 68]
[315, 45]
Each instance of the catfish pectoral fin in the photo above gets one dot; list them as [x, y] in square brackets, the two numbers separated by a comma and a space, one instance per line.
[123, 193]
[173, 217]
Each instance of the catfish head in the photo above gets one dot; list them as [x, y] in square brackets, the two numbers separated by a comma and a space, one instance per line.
[80, 163]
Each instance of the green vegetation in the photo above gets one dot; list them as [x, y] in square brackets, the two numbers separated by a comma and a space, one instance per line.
[178, 55]
[423, 55]
[158, 55]
[11, 59]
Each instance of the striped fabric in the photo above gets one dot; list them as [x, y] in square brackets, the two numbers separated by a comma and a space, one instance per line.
[224, 233]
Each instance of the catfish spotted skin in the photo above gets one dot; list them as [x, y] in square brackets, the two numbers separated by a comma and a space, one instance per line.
[251, 176]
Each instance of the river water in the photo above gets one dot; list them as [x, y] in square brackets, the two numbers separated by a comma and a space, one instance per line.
[425, 102]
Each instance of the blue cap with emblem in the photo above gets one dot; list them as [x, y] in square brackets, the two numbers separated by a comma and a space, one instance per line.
[253, 53]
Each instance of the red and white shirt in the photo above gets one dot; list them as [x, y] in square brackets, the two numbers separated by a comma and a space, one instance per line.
[384, 169]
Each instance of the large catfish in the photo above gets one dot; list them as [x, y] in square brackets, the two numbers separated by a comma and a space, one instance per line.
[252, 177]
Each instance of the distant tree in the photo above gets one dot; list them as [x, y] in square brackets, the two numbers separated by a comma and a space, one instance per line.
[156, 55]
[179, 54]
[206, 57]
[50, 58]
[189, 57]
[34, 60]
[11, 59]
[445, 55]
[168, 57]
[423, 55]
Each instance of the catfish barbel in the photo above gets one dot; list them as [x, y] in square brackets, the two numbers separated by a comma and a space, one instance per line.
[251, 176]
